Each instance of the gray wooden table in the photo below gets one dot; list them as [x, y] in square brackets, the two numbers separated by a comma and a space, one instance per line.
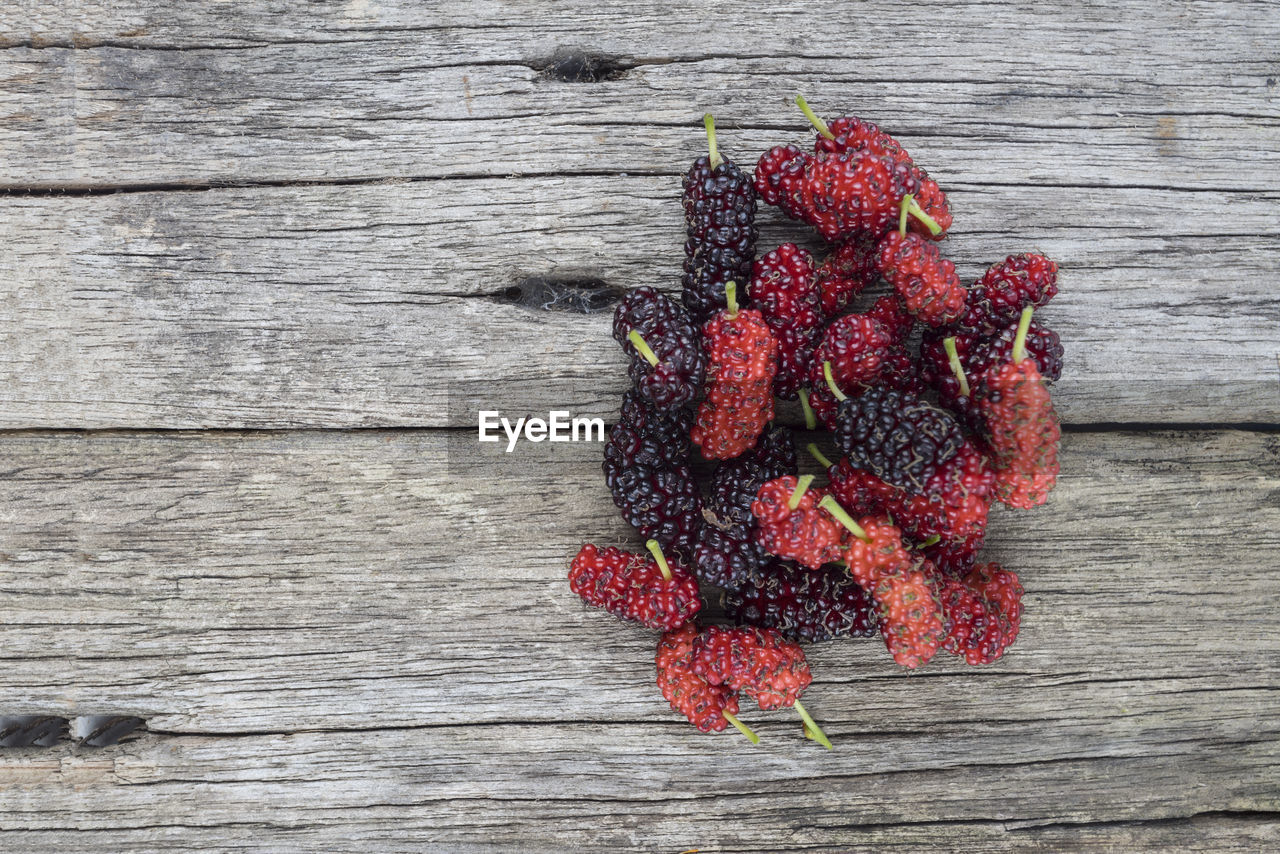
[262, 262]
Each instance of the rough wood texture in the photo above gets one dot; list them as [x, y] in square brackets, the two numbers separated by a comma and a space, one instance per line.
[389, 305]
[399, 603]
[324, 215]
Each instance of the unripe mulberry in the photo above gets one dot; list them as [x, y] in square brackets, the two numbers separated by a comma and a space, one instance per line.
[760, 663]
[743, 358]
[926, 282]
[881, 552]
[806, 533]
[909, 604]
[633, 587]
[691, 695]
[983, 610]
[998, 298]
[1023, 433]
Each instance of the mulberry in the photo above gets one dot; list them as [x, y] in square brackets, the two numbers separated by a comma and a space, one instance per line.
[896, 436]
[649, 477]
[720, 214]
[727, 553]
[926, 282]
[790, 524]
[1022, 426]
[909, 605]
[667, 363]
[708, 707]
[856, 347]
[803, 604]
[651, 592]
[983, 610]
[739, 402]
[785, 292]
[998, 298]
[846, 272]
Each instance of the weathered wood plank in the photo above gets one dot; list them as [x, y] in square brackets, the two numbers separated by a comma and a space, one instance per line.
[277, 582]
[476, 789]
[1116, 96]
[393, 605]
[388, 305]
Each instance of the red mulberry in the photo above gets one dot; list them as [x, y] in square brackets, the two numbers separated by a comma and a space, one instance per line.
[926, 282]
[998, 298]
[784, 291]
[790, 524]
[909, 605]
[984, 610]
[744, 358]
[760, 663]
[846, 272]
[856, 346]
[651, 592]
[704, 704]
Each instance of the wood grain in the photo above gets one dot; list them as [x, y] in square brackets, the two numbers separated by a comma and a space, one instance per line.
[390, 305]
[379, 621]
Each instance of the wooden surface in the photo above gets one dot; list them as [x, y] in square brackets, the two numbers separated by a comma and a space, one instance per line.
[233, 233]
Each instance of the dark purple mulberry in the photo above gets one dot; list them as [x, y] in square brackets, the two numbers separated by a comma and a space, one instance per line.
[727, 553]
[809, 605]
[646, 466]
[671, 337]
[720, 218]
[896, 436]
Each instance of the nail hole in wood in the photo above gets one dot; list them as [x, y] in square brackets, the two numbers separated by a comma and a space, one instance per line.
[583, 67]
[574, 295]
[31, 730]
[105, 730]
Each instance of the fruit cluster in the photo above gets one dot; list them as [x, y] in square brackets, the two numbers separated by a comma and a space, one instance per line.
[935, 395]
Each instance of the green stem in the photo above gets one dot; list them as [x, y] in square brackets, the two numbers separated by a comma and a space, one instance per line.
[742, 728]
[1020, 340]
[731, 298]
[817, 455]
[918, 212]
[953, 358]
[842, 516]
[656, 551]
[802, 486]
[929, 542]
[831, 382]
[810, 421]
[818, 734]
[643, 347]
[813, 118]
[710, 125]
[902, 214]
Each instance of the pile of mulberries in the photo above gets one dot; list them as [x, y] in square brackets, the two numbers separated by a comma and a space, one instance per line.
[936, 396]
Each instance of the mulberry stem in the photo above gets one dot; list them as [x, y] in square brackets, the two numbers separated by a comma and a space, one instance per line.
[902, 214]
[817, 455]
[656, 551]
[742, 728]
[831, 382]
[924, 544]
[731, 298]
[813, 118]
[710, 124]
[953, 359]
[842, 516]
[1020, 340]
[818, 735]
[810, 421]
[918, 212]
[802, 486]
[643, 347]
